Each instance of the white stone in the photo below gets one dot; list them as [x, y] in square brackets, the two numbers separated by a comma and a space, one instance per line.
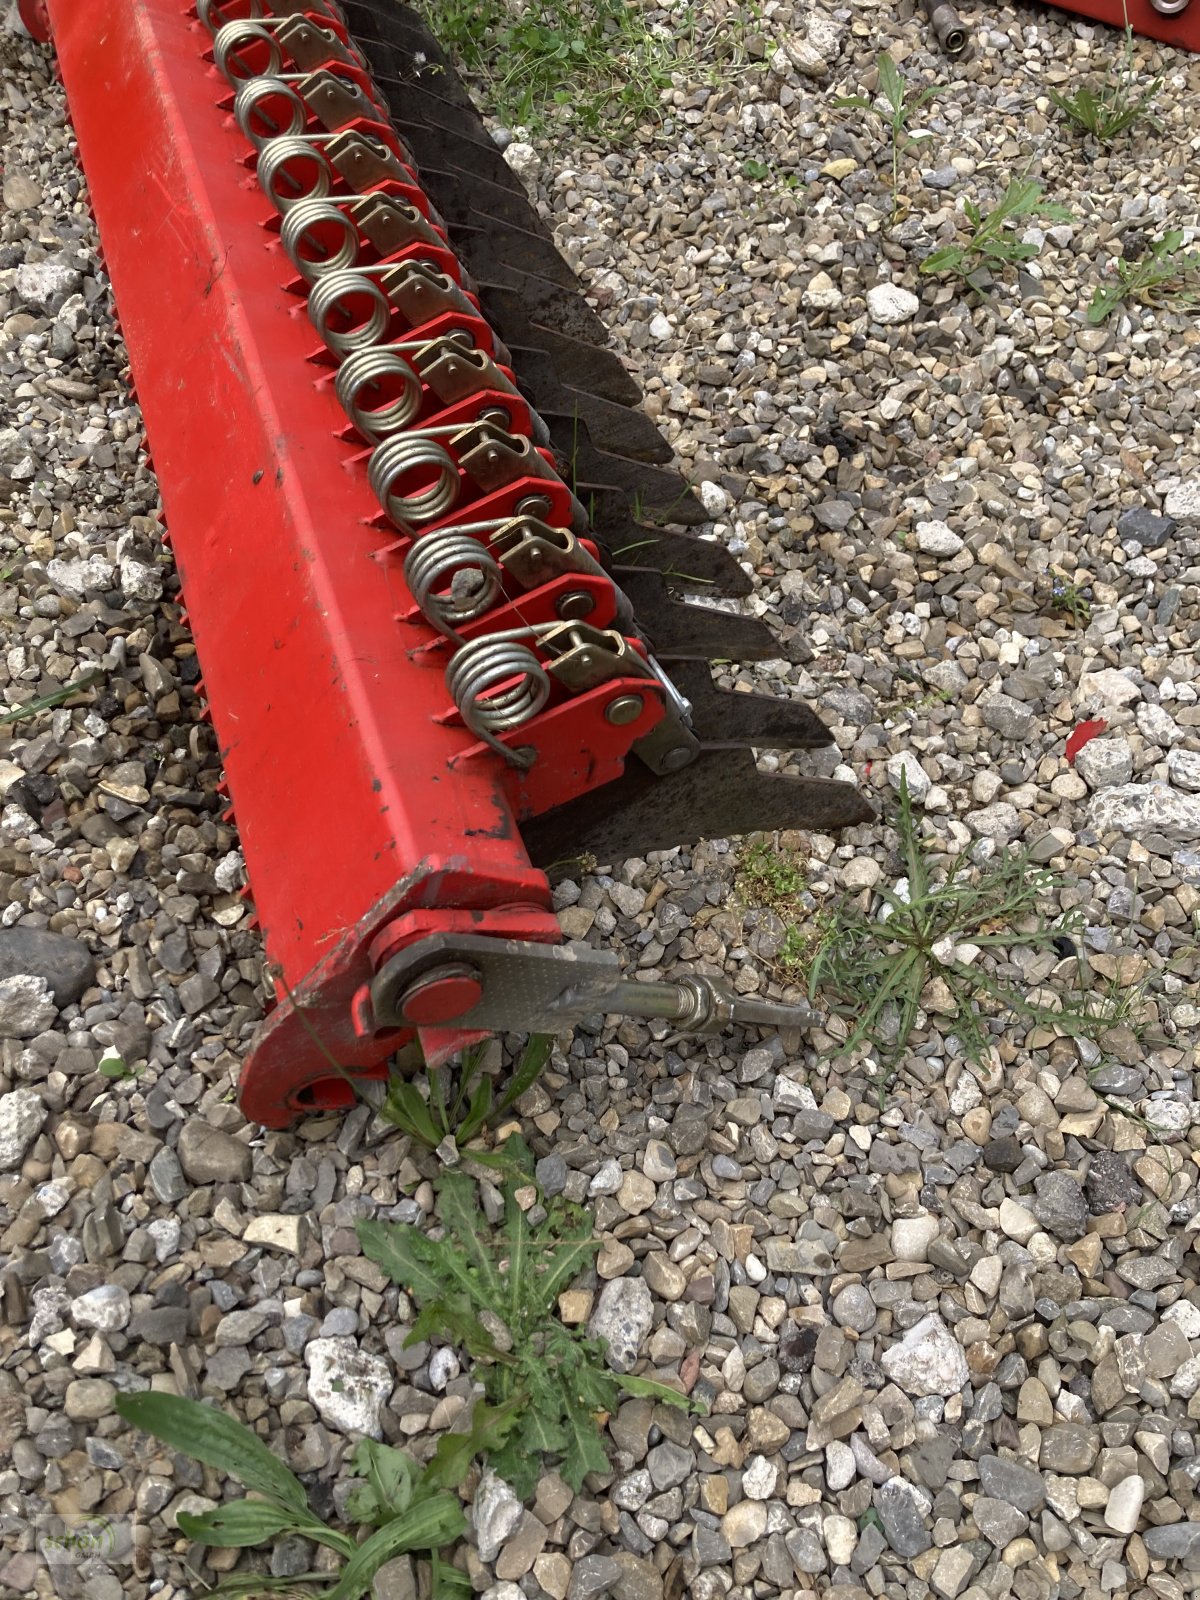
[928, 1360]
[1113, 687]
[495, 1513]
[1017, 1221]
[822, 294]
[1183, 769]
[759, 1478]
[864, 872]
[841, 1540]
[986, 1275]
[27, 1006]
[524, 161]
[278, 1231]
[912, 1236]
[39, 282]
[1136, 809]
[140, 580]
[347, 1386]
[840, 1466]
[660, 328]
[105, 1308]
[937, 539]
[1157, 725]
[1001, 822]
[889, 304]
[623, 1317]
[77, 576]
[1125, 1505]
[745, 1523]
[713, 498]
[1186, 1316]
[22, 1117]
[1183, 500]
[907, 766]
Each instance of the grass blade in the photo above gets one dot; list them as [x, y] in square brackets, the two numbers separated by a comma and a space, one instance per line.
[217, 1440]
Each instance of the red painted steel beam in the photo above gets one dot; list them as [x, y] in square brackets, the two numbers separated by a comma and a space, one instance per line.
[354, 801]
[1181, 29]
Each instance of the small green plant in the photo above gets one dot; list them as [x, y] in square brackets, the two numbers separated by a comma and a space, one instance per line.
[495, 1293]
[411, 1508]
[1114, 107]
[460, 1101]
[593, 62]
[756, 171]
[113, 1066]
[769, 879]
[873, 970]
[993, 244]
[1166, 272]
[1072, 598]
[901, 107]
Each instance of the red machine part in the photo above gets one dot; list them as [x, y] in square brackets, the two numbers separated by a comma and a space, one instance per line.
[363, 797]
[1174, 22]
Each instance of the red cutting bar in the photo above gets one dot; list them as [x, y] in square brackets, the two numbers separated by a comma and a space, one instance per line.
[351, 804]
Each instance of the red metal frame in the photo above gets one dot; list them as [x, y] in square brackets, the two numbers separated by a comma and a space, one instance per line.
[1181, 30]
[361, 798]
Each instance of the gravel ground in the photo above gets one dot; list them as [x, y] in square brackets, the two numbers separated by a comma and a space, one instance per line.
[952, 1347]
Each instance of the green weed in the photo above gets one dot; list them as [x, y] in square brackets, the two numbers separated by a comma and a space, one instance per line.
[767, 879]
[993, 243]
[113, 1066]
[411, 1508]
[1074, 599]
[1114, 107]
[1165, 273]
[874, 969]
[460, 1101]
[901, 107]
[594, 63]
[495, 1293]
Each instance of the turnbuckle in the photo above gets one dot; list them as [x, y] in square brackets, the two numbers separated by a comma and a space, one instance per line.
[508, 985]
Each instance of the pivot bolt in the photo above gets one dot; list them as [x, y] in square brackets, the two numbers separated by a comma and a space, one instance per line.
[678, 758]
[576, 605]
[441, 994]
[626, 708]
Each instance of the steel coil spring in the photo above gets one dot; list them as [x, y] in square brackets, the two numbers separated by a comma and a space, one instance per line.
[498, 684]
[230, 37]
[410, 452]
[282, 155]
[373, 365]
[299, 221]
[445, 556]
[328, 293]
[210, 13]
[253, 93]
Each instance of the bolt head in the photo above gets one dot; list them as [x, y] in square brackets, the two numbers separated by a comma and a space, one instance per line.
[441, 995]
[675, 760]
[626, 708]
